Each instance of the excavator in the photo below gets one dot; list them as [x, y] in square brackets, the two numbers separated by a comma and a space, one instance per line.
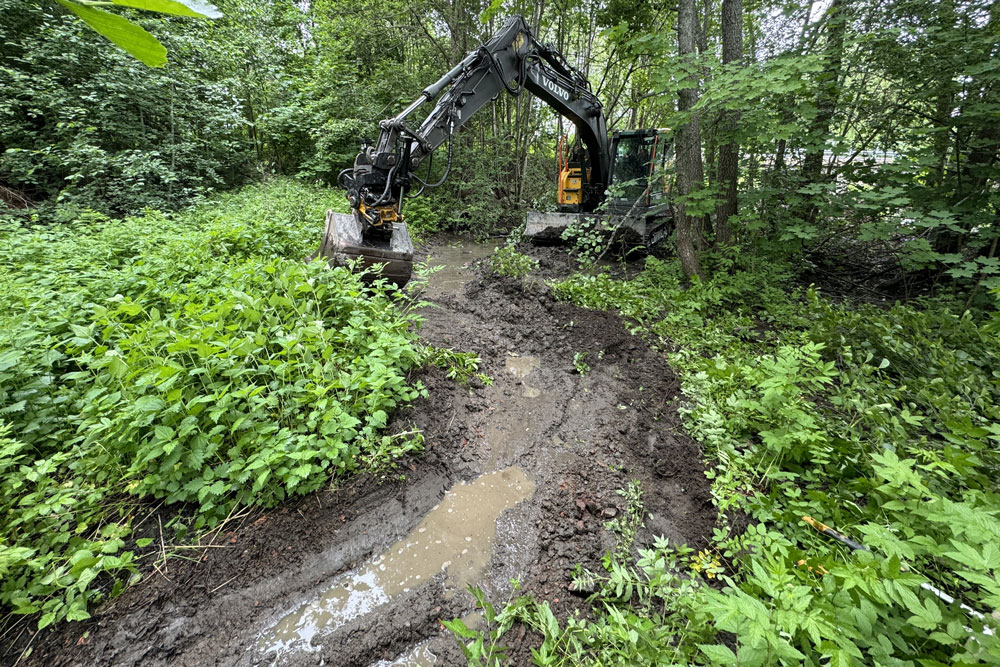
[626, 176]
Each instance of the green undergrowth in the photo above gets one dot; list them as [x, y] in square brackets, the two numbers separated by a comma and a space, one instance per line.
[191, 358]
[880, 422]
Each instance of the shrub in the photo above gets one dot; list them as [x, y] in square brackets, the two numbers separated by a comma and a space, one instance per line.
[193, 358]
[881, 422]
[508, 262]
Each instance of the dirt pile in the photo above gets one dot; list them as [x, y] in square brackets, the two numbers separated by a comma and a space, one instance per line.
[567, 440]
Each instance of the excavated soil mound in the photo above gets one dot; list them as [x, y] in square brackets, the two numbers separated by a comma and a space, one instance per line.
[528, 465]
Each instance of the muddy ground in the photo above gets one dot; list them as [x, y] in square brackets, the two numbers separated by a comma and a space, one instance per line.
[517, 481]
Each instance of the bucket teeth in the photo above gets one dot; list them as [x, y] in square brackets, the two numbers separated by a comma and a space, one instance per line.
[343, 242]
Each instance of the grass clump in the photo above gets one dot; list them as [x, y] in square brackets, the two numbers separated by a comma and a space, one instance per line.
[194, 358]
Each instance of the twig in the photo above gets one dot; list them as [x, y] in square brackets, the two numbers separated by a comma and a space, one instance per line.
[163, 549]
[160, 572]
[199, 546]
[223, 584]
[218, 531]
[151, 513]
[26, 650]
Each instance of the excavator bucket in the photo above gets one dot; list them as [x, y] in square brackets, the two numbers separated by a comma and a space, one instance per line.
[343, 242]
[548, 227]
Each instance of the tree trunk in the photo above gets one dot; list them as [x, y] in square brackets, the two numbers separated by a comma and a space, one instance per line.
[827, 95]
[732, 52]
[690, 171]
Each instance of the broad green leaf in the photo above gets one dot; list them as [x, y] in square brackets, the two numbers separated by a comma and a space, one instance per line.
[149, 403]
[718, 654]
[46, 620]
[195, 8]
[120, 31]
[9, 358]
[458, 627]
[78, 612]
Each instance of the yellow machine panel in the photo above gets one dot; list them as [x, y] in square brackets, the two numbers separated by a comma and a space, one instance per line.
[570, 186]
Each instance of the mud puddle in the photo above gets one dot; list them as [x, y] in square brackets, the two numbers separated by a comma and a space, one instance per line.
[452, 264]
[455, 539]
[521, 368]
[419, 656]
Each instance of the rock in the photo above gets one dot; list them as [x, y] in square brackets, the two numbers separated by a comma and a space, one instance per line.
[610, 512]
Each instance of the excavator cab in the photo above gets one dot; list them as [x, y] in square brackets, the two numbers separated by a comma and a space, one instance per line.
[641, 172]
[638, 194]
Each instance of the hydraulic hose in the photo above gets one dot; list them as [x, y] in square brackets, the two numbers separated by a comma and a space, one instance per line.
[447, 168]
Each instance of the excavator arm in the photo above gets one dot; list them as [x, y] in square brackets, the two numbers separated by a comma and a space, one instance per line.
[513, 61]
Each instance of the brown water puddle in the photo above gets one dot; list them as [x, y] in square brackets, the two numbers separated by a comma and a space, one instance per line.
[454, 262]
[456, 537]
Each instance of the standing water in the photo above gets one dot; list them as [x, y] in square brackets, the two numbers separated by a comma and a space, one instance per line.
[456, 537]
[454, 263]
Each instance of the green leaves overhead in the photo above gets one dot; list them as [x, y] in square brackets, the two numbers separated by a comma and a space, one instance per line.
[123, 33]
[131, 37]
[195, 8]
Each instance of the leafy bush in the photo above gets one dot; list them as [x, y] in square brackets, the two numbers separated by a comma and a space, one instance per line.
[118, 136]
[507, 261]
[193, 358]
[882, 423]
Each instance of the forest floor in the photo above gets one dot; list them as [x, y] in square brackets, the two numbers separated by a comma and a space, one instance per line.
[517, 482]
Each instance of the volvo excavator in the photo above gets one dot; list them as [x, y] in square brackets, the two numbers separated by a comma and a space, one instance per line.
[628, 172]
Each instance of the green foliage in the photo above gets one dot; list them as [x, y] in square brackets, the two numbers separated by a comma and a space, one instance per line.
[580, 363]
[641, 607]
[484, 649]
[460, 366]
[117, 136]
[506, 261]
[881, 422]
[588, 238]
[625, 527]
[423, 217]
[131, 37]
[193, 358]
[128, 36]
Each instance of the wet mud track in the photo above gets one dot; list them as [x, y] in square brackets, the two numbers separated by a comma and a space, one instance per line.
[517, 481]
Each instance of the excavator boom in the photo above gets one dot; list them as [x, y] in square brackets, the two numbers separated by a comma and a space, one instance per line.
[385, 172]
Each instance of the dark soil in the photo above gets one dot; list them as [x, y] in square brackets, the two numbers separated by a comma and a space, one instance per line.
[579, 437]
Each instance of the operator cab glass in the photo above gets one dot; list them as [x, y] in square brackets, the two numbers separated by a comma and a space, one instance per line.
[643, 169]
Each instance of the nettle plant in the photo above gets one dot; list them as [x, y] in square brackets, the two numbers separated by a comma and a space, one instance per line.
[880, 422]
[192, 358]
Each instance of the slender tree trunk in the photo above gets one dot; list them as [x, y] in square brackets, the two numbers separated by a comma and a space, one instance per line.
[828, 94]
[732, 52]
[690, 171]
